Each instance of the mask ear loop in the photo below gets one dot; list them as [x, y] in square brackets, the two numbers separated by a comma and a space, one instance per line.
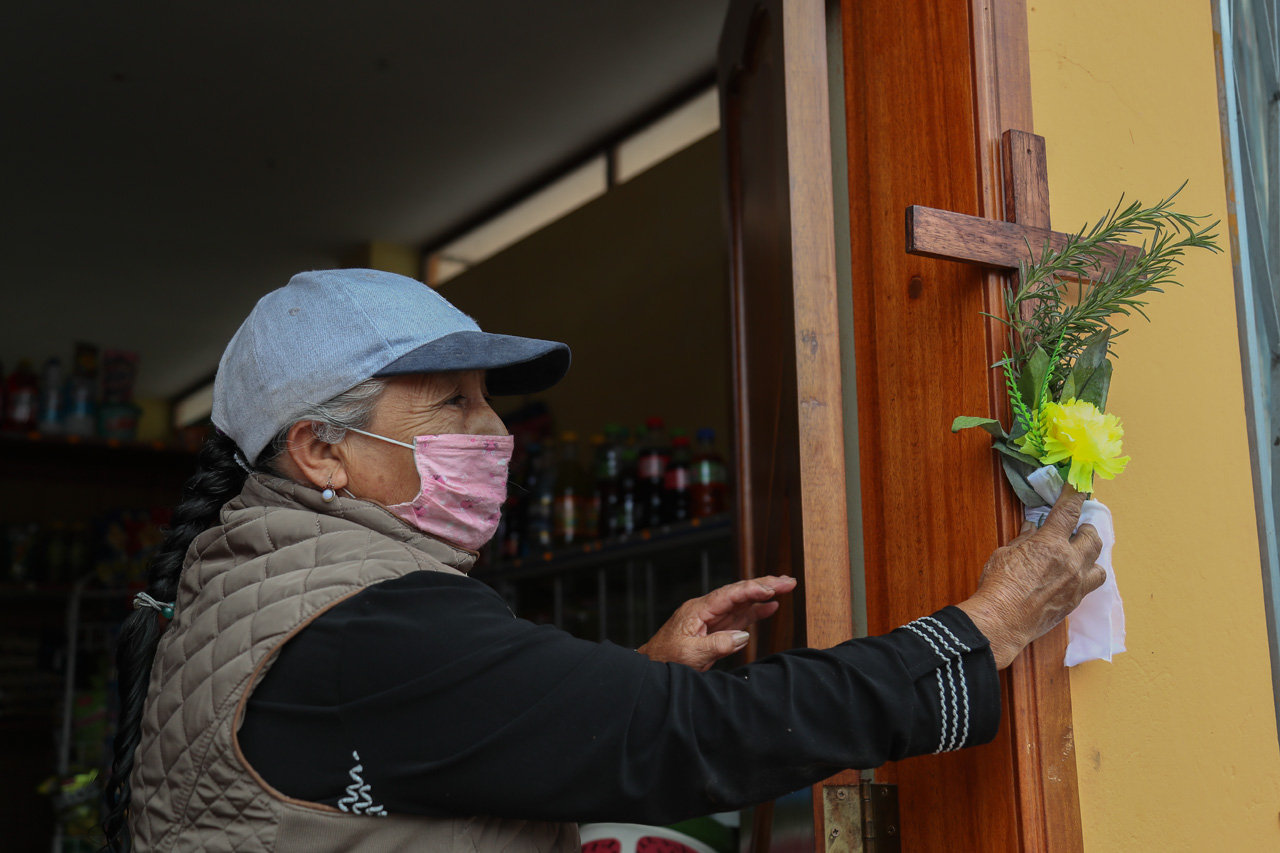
[371, 435]
[381, 437]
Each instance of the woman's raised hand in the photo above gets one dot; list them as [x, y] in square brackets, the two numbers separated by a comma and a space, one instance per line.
[706, 629]
[1031, 584]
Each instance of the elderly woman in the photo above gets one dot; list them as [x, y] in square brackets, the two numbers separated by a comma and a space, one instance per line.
[323, 675]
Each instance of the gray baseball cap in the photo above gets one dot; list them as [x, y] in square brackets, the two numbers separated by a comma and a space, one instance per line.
[327, 331]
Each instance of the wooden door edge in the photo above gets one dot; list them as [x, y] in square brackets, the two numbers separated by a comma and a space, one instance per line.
[820, 404]
[1039, 687]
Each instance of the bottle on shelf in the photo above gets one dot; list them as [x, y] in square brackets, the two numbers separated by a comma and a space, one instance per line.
[506, 539]
[21, 398]
[708, 484]
[50, 413]
[81, 412]
[572, 495]
[652, 467]
[628, 519]
[539, 497]
[591, 520]
[675, 481]
[608, 487]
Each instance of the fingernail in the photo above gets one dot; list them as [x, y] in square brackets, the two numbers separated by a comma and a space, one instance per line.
[740, 638]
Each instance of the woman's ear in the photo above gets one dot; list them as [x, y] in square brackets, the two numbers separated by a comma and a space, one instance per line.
[318, 462]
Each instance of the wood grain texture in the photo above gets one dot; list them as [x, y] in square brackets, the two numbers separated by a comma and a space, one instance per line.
[759, 220]
[1024, 168]
[790, 447]
[828, 607]
[1014, 181]
[929, 501]
[787, 357]
[1048, 792]
[947, 235]
[828, 588]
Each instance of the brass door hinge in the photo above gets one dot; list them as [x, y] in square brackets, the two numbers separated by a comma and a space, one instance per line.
[861, 818]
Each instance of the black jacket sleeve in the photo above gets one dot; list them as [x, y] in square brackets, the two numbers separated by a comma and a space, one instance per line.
[456, 707]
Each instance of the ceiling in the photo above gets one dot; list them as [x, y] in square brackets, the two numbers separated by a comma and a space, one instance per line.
[165, 166]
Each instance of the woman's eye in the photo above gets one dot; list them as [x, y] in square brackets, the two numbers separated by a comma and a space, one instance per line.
[459, 400]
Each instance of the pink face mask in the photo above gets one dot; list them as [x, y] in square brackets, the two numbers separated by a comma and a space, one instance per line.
[463, 485]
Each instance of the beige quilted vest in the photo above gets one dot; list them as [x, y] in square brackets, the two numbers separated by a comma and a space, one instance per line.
[280, 558]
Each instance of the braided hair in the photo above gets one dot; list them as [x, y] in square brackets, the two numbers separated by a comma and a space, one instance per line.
[220, 475]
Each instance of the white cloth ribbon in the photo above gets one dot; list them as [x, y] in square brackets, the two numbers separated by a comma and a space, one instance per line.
[1095, 629]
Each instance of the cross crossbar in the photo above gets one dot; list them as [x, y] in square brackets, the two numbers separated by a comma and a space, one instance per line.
[951, 236]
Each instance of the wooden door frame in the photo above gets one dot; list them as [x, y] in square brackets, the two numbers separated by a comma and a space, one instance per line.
[821, 497]
[794, 520]
[1034, 755]
[1037, 688]
[1037, 684]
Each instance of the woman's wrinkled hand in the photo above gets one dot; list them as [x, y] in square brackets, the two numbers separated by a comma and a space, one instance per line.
[712, 627]
[1031, 584]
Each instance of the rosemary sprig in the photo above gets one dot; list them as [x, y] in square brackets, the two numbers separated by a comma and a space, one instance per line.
[1024, 421]
[1164, 236]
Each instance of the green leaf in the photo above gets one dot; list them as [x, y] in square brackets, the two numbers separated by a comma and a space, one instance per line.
[1088, 363]
[1068, 388]
[1041, 308]
[1014, 453]
[1016, 474]
[991, 425]
[1032, 376]
[1093, 355]
[1095, 390]
[1018, 431]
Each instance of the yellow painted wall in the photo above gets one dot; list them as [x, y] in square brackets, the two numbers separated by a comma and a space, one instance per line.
[155, 422]
[637, 283]
[386, 256]
[1176, 741]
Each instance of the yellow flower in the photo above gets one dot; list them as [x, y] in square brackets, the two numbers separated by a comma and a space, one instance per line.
[1076, 430]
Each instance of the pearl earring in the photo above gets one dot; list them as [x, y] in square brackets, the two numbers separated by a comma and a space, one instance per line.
[328, 494]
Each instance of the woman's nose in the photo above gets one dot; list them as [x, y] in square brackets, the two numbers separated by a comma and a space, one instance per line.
[485, 421]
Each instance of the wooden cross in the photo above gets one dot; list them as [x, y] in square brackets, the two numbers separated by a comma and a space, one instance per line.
[1039, 695]
[951, 236]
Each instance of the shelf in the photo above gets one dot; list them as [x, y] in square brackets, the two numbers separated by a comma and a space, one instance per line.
[619, 589]
[53, 479]
[595, 554]
[58, 451]
[30, 438]
[56, 590]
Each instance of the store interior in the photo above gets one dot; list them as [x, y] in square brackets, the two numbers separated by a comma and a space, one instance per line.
[635, 280]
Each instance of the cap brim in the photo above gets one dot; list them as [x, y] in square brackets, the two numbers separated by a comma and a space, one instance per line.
[514, 365]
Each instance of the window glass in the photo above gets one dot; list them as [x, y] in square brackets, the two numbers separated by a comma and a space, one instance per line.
[1251, 112]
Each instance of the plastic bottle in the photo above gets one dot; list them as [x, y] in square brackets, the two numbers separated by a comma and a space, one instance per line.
[81, 410]
[708, 486]
[652, 466]
[594, 498]
[51, 410]
[675, 482]
[82, 418]
[22, 396]
[510, 534]
[628, 517]
[572, 495]
[539, 497]
[608, 483]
